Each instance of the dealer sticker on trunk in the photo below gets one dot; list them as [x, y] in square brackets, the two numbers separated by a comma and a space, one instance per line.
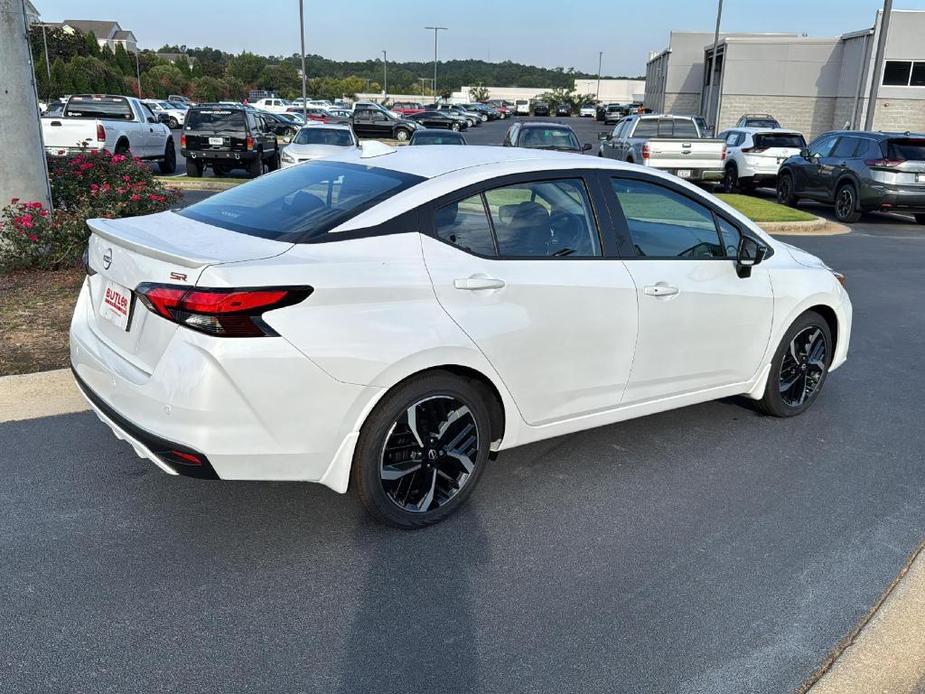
[116, 305]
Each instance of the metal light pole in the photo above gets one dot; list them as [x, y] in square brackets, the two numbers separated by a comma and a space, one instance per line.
[600, 62]
[435, 30]
[138, 72]
[385, 74]
[304, 76]
[47, 64]
[878, 65]
[719, 16]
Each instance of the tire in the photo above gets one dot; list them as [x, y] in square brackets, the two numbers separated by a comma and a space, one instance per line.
[455, 127]
[785, 190]
[172, 123]
[193, 168]
[123, 148]
[407, 498]
[730, 179]
[846, 204]
[402, 135]
[169, 164]
[273, 162]
[920, 218]
[255, 167]
[779, 401]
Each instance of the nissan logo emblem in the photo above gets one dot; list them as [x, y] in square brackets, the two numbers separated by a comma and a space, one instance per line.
[107, 258]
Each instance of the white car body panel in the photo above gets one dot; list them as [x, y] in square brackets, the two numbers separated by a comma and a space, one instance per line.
[764, 164]
[588, 111]
[385, 307]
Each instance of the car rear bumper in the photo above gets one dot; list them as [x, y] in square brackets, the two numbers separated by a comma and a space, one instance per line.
[210, 155]
[247, 408]
[694, 174]
[895, 198]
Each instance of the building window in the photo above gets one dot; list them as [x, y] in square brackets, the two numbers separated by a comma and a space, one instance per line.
[918, 75]
[896, 73]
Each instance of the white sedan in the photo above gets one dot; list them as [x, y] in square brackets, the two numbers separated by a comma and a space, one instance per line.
[390, 318]
[588, 111]
[176, 116]
[315, 141]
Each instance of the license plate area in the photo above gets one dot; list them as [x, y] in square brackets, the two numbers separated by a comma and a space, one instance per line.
[684, 173]
[216, 141]
[116, 305]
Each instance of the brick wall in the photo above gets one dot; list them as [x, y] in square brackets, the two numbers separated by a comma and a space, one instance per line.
[681, 103]
[809, 115]
[899, 114]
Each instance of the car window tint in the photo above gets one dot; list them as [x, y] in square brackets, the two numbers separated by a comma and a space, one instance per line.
[823, 147]
[732, 139]
[647, 127]
[845, 147]
[666, 224]
[465, 224]
[731, 237]
[544, 218]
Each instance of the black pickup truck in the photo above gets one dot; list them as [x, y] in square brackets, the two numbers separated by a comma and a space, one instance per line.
[226, 137]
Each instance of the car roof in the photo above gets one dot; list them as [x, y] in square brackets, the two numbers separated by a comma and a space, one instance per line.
[330, 126]
[760, 131]
[546, 124]
[877, 134]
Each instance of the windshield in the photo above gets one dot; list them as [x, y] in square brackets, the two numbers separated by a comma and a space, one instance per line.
[431, 137]
[301, 203]
[112, 107]
[215, 119]
[338, 137]
[762, 123]
[548, 138]
[906, 149]
[793, 140]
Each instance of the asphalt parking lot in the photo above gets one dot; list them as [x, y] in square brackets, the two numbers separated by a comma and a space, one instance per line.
[704, 550]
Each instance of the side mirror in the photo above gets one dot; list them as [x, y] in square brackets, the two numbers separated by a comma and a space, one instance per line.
[163, 118]
[586, 146]
[152, 119]
[804, 152]
[603, 137]
[750, 254]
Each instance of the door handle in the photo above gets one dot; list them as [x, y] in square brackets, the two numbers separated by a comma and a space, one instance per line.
[661, 290]
[475, 283]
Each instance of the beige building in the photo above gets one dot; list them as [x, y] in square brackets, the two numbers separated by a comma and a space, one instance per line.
[807, 83]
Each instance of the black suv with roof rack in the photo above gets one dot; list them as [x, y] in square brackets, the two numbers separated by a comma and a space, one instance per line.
[226, 137]
[857, 172]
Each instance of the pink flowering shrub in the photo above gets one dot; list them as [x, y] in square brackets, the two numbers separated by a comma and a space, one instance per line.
[83, 186]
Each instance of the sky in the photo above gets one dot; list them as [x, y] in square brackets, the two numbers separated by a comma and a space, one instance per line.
[550, 33]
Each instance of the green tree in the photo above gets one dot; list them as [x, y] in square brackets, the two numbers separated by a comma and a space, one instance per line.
[60, 79]
[207, 88]
[282, 78]
[122, 61]
[246, 68]
[162, 80]
[91, 45]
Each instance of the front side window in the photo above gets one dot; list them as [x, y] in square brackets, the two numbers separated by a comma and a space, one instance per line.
[465, 224]
[544, 219]
[666, 224]
[731, 237]
[301, 203]
[823, 147]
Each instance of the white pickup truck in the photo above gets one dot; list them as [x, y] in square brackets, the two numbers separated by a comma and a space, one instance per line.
[670, 143]
[118, 124]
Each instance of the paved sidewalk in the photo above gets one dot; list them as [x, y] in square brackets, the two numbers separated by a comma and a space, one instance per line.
[888, 654]
[39, 395]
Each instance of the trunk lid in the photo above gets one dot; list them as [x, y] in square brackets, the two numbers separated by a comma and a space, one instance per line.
[685, 154]
[161, 248]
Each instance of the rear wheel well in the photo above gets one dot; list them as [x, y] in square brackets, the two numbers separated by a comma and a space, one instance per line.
[486, 387]
[831, 320]
[122, 145]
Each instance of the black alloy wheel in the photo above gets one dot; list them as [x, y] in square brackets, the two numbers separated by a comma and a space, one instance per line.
[846, 204]
[785, 190]
[422, 450]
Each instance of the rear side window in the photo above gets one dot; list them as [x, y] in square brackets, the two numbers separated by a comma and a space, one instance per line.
[845, 147]
[302, 203]
[108, 107]
[215, 119]
[906, 149]
[465, 224]
[767, 140]
[666, 224]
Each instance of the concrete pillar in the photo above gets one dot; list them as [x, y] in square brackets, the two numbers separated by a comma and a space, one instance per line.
[23, 170]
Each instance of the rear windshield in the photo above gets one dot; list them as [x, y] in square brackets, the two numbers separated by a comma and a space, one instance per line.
[906, 149]
[323, 136]
[215, 119]
[301, 203]
[762, 123]
[666, 127]
[548, 138]
[111, 107]
[780, 140]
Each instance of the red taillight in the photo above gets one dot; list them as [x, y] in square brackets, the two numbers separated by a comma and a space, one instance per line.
[722, 154]
[250, 143]
[645, 152]
[883, 163]
[100, 132]
[183, 140]
[220, 312]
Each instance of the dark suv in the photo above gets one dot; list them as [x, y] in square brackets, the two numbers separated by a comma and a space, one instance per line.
[371, 120]
[858, 172]
[226, 137]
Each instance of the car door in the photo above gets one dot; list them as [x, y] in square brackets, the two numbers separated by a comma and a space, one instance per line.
[152, 141]
[839, 163]
[701, 326]
[361, 122]
[520, 266]
[811, 173]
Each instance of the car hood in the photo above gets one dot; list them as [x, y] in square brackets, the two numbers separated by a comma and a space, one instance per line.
[314, 151]
[804, 258]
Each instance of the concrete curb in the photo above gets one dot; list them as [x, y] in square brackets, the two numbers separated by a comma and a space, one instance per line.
[886, 652]
[43, 394]
[817, 227]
